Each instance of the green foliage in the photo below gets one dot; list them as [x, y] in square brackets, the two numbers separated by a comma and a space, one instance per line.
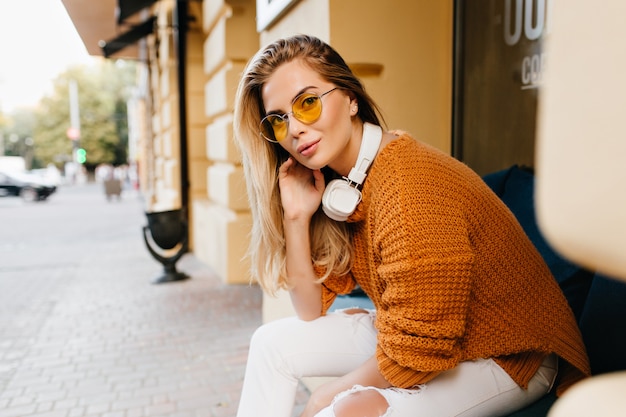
[103, 90]
[16, 131]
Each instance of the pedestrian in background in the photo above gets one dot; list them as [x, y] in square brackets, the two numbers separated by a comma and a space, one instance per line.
[468, 319]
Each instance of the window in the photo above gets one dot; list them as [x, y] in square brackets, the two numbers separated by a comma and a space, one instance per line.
[498, 63]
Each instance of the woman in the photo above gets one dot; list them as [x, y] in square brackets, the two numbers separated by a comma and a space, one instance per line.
[468, 319]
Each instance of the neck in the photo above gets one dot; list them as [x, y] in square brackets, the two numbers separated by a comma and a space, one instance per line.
[368, 149]
[343, 165]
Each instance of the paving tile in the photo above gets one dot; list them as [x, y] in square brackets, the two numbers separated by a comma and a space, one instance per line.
[84, 332]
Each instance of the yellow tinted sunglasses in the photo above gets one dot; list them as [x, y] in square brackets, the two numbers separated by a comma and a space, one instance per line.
[306, 107]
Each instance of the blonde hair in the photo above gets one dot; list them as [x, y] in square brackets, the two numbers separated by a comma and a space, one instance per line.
[331, 245]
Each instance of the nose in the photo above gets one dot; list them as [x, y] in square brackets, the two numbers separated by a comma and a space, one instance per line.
[296, 127]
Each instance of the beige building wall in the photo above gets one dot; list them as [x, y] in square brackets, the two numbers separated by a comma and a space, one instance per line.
[221, 218]
[197, 160]
[162, 159]
[218, 213]
[163, 191]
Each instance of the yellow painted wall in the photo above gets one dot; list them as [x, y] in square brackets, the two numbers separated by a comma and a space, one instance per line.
[412, 40]
[307, 16]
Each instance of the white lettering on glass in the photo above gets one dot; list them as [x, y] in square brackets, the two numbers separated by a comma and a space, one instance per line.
[509, 15]
[518, 15]
[534, 32]
[532, 18]
[532, 67]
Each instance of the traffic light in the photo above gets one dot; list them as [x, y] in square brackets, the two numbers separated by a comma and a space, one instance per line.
[81, 155]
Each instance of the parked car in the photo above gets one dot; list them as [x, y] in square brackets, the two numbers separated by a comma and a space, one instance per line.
[28, 186]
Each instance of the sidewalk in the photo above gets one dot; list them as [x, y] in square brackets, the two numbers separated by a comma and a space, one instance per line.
[84, 333]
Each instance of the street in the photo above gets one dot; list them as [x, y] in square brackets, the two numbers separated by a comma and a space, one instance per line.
[49, 233]
[84, 332]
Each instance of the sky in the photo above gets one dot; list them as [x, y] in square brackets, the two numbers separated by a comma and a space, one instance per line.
[37, 43]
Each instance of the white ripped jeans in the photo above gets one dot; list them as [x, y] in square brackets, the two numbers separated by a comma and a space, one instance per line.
[283, 351]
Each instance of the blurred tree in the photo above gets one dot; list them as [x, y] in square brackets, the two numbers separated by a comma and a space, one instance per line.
[3, 123]
[20, 141]
[16, 132]
[102, 93]
[3, 120]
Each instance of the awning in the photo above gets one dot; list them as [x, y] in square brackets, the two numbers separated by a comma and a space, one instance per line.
[127, 8]
[129, 37]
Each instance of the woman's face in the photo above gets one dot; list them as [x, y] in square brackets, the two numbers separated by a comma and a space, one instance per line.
[324, 141]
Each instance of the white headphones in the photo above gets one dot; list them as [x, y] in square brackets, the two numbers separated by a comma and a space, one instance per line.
[341, 196]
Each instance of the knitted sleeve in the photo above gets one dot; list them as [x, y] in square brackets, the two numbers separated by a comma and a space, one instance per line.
[425, 264]
[332, 286]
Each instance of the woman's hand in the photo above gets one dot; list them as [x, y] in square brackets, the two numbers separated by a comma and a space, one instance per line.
[301, 192]
[301, 189]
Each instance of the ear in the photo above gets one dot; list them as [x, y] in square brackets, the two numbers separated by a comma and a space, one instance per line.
[354, 106]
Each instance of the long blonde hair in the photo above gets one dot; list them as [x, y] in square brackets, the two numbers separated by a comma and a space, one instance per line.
[331, 246]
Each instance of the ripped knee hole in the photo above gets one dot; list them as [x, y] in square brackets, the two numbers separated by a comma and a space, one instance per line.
[362, 403]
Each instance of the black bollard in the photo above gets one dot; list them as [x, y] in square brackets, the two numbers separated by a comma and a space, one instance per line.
[167, 230]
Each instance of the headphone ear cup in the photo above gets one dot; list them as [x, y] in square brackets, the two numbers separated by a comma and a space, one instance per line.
[340, 200]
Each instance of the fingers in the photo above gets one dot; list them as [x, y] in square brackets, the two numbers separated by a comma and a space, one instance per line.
[284, 167]
[292, 168]
[318, 178]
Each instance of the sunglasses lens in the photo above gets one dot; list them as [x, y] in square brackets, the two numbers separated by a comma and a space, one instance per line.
[274, 128]
[307, 107]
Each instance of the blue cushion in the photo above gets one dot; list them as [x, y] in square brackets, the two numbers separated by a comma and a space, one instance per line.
[357, 298]
[515, 187]
[349, 301]
[603, 325]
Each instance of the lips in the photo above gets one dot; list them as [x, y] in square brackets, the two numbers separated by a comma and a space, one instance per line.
[307, 149]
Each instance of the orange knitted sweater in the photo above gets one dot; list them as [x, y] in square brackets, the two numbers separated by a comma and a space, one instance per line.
[452, 274]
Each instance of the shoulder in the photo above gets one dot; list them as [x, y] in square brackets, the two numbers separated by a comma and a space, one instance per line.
[401, 143]
[408, 164]
[404, 155]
